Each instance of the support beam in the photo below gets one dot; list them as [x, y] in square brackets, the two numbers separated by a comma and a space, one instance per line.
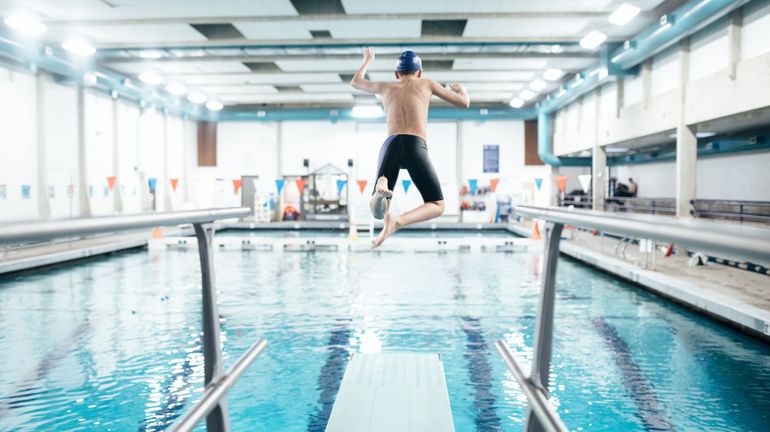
[43, 200]
[117, 193]
[734, 30]
[646, 82]
[599, 176]
[686, 142]
[85, 200]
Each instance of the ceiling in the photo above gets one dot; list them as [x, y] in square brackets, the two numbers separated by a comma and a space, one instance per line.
[303, 52]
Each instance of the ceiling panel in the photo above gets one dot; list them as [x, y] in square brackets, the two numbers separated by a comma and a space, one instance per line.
[347, 29]
[138, 33]
[341, 88]
[527, 28]
[237, 89]
[380, 64]
[459, 6]
[287, 98]
[462, 76]
[184, 67]
[500, 63]
[214, 79]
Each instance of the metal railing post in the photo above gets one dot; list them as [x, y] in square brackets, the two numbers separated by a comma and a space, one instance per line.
[217, 420]
[541, 363]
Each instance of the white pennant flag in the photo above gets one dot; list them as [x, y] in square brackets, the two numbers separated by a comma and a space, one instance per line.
[585, 181]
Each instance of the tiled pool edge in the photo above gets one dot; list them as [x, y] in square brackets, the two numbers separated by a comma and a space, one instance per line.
[750, 319]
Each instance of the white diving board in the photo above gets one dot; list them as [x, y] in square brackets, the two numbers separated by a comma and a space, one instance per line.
[396, 391]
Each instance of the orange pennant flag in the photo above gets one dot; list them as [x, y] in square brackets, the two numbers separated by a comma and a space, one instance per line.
[174, 182]
[561, 181]
[111, 182]
[535, 232]
[300, 185]
[493, 182]
[362, 185]
[237, 184]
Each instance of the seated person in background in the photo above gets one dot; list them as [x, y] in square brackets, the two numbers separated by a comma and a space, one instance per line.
[632, 187]
[628, 191]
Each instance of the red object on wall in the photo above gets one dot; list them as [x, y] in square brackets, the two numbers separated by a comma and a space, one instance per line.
[362, 185]
[237, 184]
[174, 183]
[111, 182]
[493, 182]
[561, 181]
[300, 185]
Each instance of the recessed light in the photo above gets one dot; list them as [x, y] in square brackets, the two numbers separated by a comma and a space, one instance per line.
[624, 14]
[527, 94]
[553, 74]
[214, 105]
[516, 103]
[593, 39]
[151, 54]
[197, 98]
[79, 47]
[176, 89]
[25, 24]
[367, 111]
[538, 85]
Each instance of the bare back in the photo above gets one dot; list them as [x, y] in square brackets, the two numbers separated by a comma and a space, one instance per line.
[406, 106]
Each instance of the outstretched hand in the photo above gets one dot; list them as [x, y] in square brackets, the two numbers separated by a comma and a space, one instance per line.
[368, 55]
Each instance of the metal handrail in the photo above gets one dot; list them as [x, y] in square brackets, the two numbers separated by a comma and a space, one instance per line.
[48, 230]
[217, 382]
[737, 241]
[217, 390]
[733, 240]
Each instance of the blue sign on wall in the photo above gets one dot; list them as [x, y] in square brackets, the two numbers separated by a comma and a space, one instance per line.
[492, 158]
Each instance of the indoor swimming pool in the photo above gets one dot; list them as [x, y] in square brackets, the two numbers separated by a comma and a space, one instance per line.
[112, 343]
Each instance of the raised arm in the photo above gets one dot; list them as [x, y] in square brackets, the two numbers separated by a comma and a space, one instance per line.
[456, 95]
[359, 82]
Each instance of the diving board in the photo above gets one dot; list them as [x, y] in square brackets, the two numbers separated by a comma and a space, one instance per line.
[396, 391]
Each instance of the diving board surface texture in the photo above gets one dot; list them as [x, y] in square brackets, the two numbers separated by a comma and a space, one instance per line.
[396, 391]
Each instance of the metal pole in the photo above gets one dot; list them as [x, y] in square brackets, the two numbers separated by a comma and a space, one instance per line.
[541, 363]
[217, 420]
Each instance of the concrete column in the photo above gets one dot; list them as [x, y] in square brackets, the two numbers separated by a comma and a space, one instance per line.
[459, 162]
[43, 201]
[117, 193]
[646, 82]
[279, 150]
[163, 183]
[620, 97]
[598, 176]
[734, 30]
[185, 157]
[85, 201]
[686, 142]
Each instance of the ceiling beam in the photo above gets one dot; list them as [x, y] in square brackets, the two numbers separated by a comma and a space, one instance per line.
[457, 41]
[333, 17]
[343, 57]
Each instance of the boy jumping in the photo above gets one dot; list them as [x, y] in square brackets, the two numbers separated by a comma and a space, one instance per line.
[406, 106]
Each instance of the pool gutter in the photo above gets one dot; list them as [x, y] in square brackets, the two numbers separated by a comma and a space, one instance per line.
[749, 319]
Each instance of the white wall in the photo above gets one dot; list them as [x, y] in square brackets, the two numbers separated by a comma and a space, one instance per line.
[61, 129]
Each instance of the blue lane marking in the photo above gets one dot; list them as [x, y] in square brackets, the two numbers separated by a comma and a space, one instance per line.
[477, 355]
[649, 408]
[174, 396]
[330, 378]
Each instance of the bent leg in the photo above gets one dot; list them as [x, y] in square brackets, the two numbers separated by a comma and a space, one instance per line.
[388, 165]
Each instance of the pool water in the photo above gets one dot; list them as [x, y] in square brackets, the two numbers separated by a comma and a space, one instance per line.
[406, 233]
[112, 344]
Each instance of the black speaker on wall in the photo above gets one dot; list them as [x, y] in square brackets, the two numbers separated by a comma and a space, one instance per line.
[350, 163]
[305, 163]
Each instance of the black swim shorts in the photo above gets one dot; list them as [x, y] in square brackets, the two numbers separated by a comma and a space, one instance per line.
[409, 152]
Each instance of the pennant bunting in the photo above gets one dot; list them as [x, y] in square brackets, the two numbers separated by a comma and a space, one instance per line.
[406, 184]
[300, 185]
[585, 181]
[279, 185]
[493, 183]
[472, 184]
[237, 183]
[111, 182]
[561, 181]
[538, 183]
[174, 183]
[362, 185]
[341, 185]
[153, 183]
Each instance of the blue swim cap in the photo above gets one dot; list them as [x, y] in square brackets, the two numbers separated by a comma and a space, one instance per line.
[408, 62]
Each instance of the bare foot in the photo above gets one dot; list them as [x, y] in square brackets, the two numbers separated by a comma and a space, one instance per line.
[390, 225]
[379, 204]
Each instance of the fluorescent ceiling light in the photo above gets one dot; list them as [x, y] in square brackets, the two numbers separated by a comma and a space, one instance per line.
[527, 94]
[516, 103]
[705, 134]
[367, 111]
[624, 14]
[616, 149]
[197, 98]
[593, 39]
[78, 47]
[151, 54]
[150, 78]
[176, 89]
[214, 105]
[25, 24]
[553, 74]
[538, 85]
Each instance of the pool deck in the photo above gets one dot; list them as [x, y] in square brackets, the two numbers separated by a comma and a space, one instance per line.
[735, 296]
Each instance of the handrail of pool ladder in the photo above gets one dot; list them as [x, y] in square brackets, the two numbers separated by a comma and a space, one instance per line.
[734, 241]
[217, 382]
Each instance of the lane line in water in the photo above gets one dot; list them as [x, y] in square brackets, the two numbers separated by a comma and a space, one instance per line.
[330, 378]
[649, 408]
[480, 371]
